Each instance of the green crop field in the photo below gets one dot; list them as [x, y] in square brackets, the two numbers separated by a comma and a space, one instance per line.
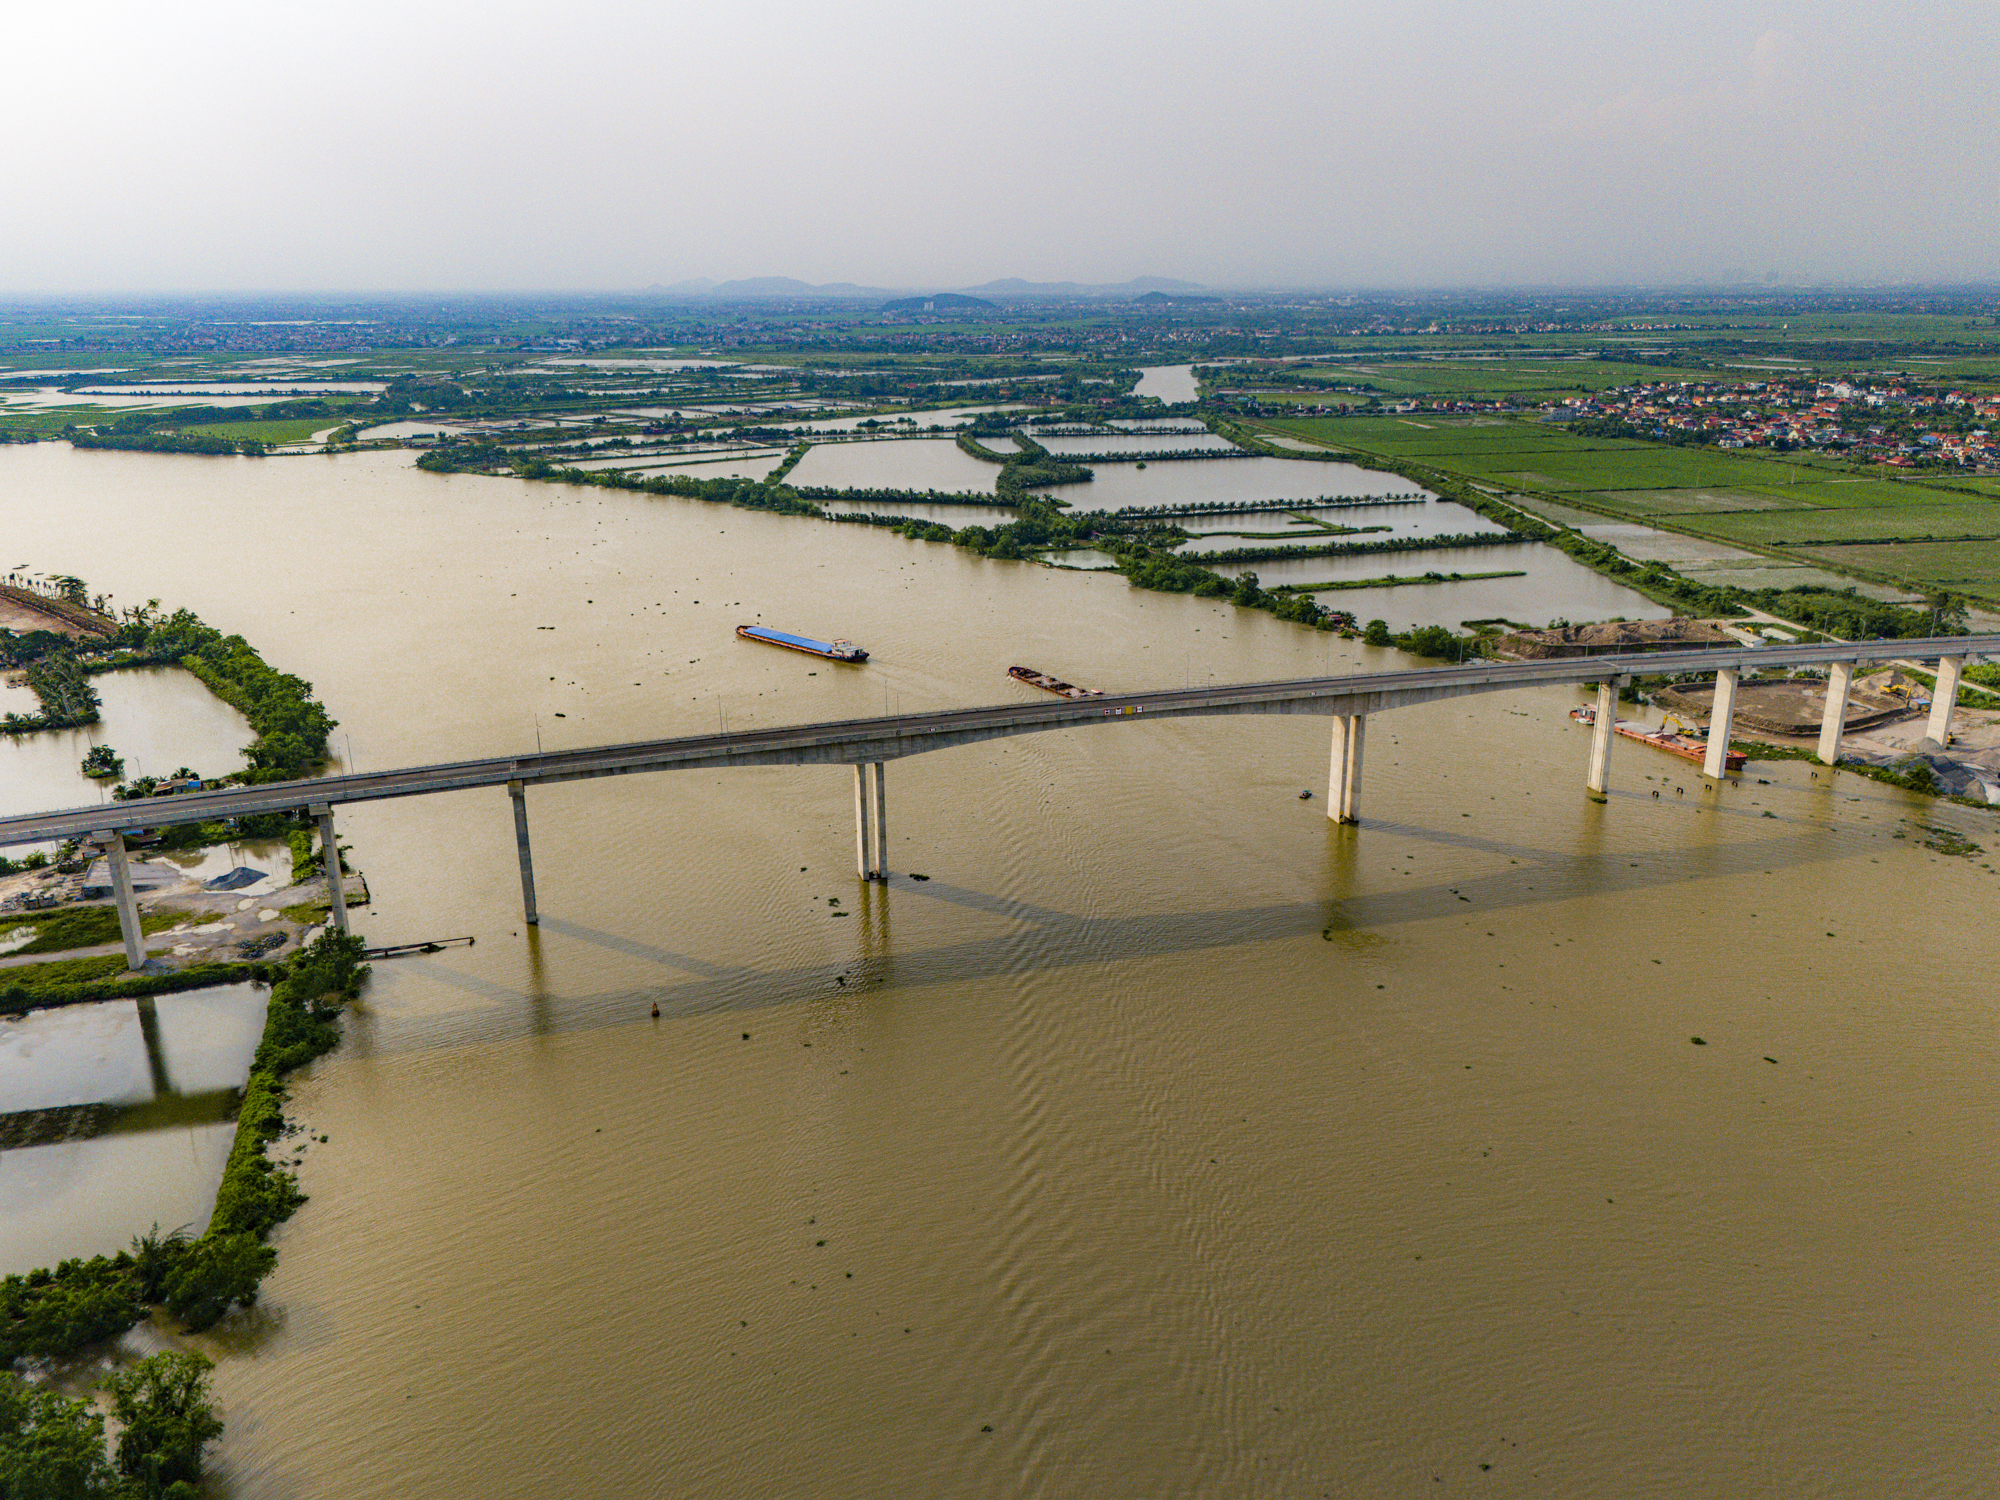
[1494, 377]
[1657, 468]
[1786, 528]
[1798, 503]
[273, 430]
[1970, 567]
[1427, 435]
[1852, 494]
[1696, 500]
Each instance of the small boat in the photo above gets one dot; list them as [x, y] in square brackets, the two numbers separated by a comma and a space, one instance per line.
[831, 650]
[1686, 746]
[1050, 684]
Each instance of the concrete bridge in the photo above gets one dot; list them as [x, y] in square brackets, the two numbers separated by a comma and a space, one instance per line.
[868, 744]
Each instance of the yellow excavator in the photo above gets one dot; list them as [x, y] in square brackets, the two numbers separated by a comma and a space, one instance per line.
[1675, 724]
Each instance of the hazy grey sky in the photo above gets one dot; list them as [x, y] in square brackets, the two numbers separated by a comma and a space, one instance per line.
[607, 143]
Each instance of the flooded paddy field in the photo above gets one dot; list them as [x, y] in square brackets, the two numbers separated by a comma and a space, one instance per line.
[1170, 383]
[1373, 523]
[1135, 442]
[912, 464]
[1555, 585]
[1226, 481]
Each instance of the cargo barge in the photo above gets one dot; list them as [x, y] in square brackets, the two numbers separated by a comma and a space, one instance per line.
[831, 650]
[1050, 684]
[1686, 746]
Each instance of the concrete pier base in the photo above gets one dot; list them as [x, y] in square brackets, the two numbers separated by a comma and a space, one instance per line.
[1944, 698]
[1839, 683]
[329, 853]
[518, 794]
[1343, 784]
[113, 844]
[1598, 779]
[1721, 723]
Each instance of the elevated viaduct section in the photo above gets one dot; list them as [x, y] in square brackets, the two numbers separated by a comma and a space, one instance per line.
[868, 744]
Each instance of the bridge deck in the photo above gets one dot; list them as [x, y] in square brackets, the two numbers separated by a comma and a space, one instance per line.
[893, 736]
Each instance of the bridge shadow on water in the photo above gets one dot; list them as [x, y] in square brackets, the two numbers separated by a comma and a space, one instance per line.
[1041, 939]
[168, 1108]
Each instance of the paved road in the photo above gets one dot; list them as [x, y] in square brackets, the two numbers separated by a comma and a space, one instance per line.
[891, 737]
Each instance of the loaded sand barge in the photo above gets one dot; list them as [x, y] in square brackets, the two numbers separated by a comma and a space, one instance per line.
[1686, 746]
[831, 650]
[1050, 684]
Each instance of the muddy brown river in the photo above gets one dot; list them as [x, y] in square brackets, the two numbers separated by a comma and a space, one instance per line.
[1166, 1140]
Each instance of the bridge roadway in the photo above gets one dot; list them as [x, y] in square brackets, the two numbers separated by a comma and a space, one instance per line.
[867, 743]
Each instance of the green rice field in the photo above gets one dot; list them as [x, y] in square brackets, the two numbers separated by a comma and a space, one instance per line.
[1900, 528]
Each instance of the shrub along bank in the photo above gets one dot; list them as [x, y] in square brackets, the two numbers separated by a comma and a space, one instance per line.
[72, 981]
[82, 1302]
[53, 1448]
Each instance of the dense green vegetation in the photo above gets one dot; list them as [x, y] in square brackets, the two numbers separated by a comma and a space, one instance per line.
[53, 1448]
[60, 682]
[1849, 615]
[169, 442]
[71, 981]
[77, 927]
[82, 1302]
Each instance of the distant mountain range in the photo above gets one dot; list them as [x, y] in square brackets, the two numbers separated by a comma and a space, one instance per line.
[1152, 288]
[1013, 286]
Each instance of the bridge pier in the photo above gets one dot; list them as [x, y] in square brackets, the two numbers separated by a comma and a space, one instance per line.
[1721, 722]
[1944, 698]
[881, 799]
[113, 844]
[329, 847]
[871, 821]
[1343, 785]
[517, 792]
[1839, 682]
[1598, 779]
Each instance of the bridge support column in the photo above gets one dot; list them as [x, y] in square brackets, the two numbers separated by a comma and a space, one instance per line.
[881, 800]
[864, 829]
[1944, 698]
[517, 792]
[1721, 723]
[113, 844]
[329, 858]
[1839, 682]
[1598, 780]
[1343, 784]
